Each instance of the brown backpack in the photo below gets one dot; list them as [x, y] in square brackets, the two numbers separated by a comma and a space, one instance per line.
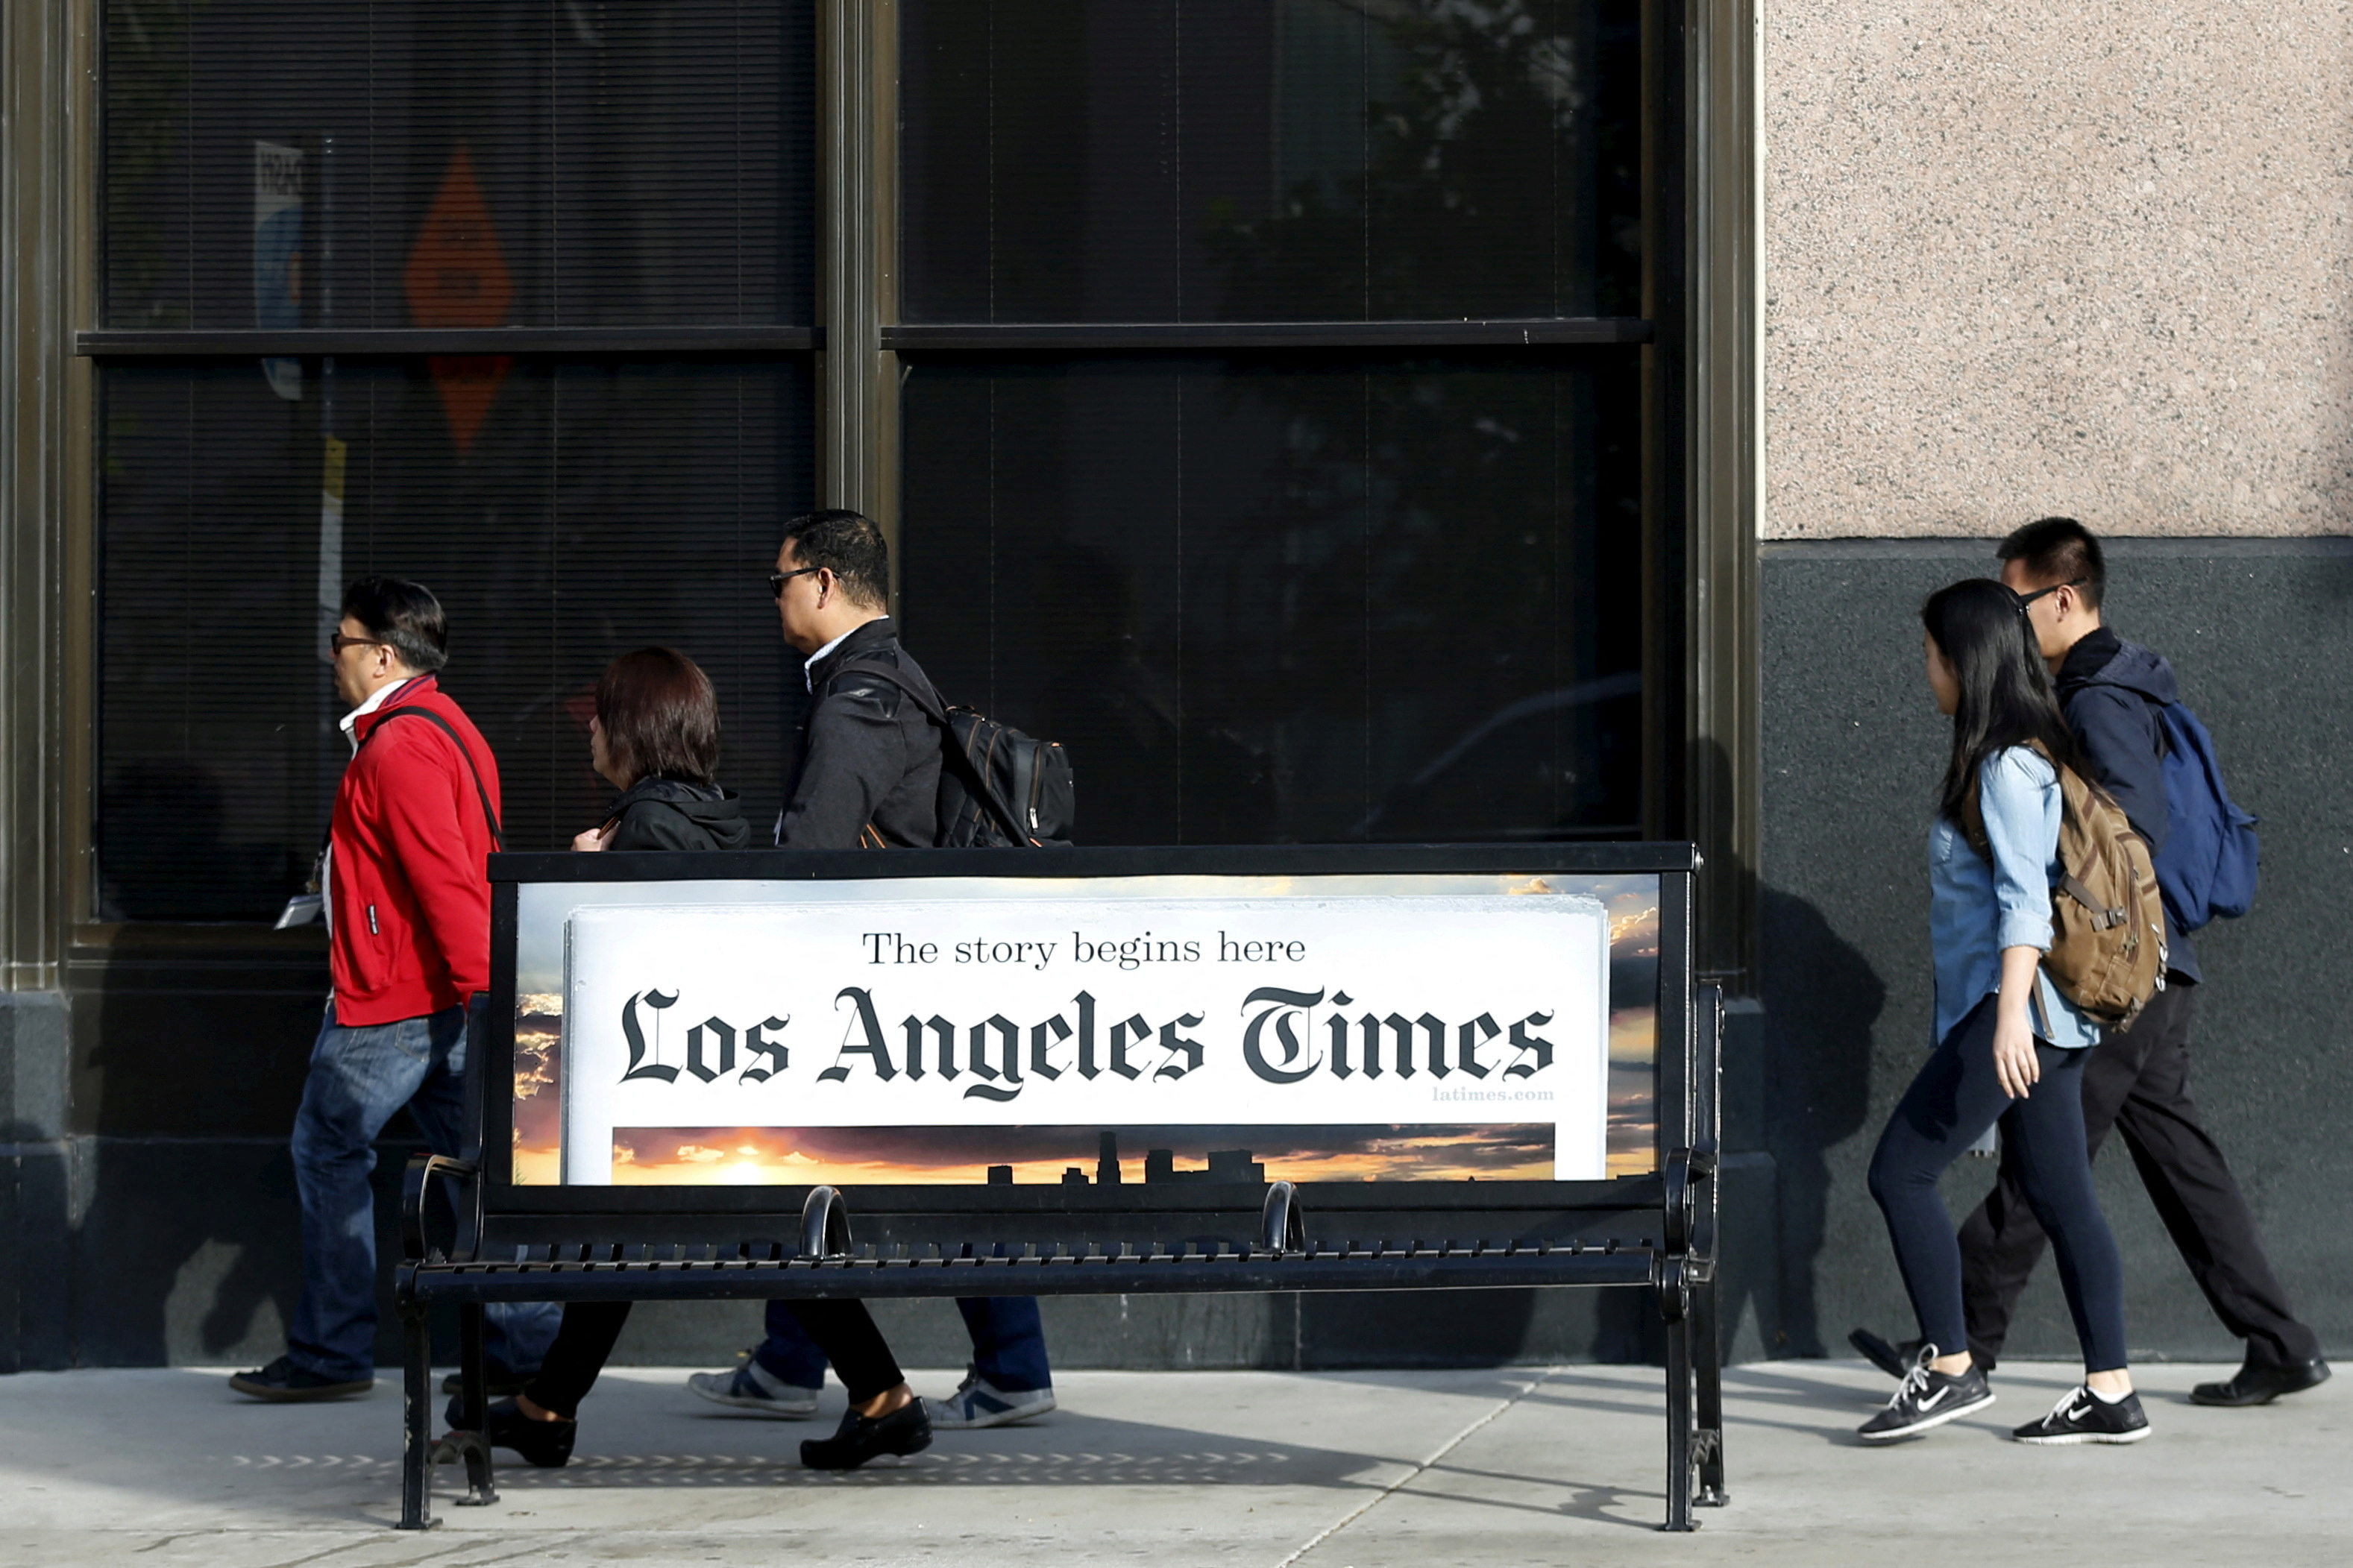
[2108, 918]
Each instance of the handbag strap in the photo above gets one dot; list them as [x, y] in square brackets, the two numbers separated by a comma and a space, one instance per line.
[498, 834]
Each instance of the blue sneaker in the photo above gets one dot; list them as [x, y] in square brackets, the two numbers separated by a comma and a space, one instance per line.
[980, 1403]
[750, 1386]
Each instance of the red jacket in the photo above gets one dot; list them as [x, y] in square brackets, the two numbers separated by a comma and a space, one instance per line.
[412, 915]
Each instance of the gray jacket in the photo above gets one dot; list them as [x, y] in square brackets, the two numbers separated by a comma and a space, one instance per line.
[867, 756]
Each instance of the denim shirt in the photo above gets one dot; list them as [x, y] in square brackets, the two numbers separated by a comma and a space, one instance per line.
[1975, 909]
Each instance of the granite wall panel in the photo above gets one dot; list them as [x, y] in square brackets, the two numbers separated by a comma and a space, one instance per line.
[2261, 635]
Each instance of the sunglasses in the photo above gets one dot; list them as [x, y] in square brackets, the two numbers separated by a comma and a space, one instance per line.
[337, 643]
[777, 580]
[2026, 599]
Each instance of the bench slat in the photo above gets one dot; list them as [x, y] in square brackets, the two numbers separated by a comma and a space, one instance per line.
[1618, 1265]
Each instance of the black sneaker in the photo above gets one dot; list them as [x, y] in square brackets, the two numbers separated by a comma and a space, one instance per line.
[548, 1444]
[1927, 1398]
[1895, 1360]
[2083, 1416]
[906, 1430]
[283, 1382]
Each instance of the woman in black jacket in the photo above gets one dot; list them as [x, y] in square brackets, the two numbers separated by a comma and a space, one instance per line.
[655, 738]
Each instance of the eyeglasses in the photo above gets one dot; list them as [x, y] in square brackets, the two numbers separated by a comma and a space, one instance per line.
[2026, 599]
[777, 580]
[338, 642]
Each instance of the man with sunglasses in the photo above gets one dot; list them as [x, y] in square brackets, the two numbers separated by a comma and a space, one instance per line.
[2135, 1081]
[867, 775]
[408, 918]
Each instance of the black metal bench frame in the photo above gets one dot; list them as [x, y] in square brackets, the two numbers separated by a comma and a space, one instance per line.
[1655, 1233]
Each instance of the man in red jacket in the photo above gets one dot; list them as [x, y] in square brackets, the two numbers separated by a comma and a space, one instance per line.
[408, 917]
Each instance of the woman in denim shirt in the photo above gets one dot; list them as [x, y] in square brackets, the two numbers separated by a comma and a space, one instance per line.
[2009, 1047]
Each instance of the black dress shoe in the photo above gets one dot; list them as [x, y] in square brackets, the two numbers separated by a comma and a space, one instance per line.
[283, 1382]
[496, 1382]
[2260, 1383]
[1894, 1360]
[906, 1430]
[548, 1444]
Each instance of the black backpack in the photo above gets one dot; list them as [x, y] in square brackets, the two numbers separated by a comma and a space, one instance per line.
[999, 789]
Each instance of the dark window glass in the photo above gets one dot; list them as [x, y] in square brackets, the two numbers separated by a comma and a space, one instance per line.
[285, 163]
[1269, 600]
[1269, 160]
[596, 509]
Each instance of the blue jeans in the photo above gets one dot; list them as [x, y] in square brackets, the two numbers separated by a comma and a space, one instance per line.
[359, 1076]
[1009, 1344]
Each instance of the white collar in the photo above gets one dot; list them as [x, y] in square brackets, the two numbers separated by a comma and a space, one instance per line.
[376, 700]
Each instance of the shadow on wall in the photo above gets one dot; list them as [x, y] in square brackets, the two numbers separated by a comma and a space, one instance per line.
[187, 1073]
[1822, 999]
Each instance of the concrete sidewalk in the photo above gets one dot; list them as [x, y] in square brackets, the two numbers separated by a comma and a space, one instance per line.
[1509, 1466]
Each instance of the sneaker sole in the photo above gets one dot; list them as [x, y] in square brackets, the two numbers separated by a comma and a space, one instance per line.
[2077, 1439]
[772, 1409]
[1895, 1433]
[271, 1395]
[942, 1422]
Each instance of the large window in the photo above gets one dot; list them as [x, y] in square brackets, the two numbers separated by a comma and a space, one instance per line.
[1273, 421]
[539, 281]
[1273, 410]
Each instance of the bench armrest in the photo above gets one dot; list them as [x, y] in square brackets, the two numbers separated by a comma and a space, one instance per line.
[466, 1196]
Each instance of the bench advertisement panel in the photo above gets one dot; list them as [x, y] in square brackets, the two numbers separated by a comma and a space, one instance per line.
[1166, 1028]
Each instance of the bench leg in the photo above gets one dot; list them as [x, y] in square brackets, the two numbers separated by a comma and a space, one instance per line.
[416, 1418]
[1707, 1354]
[473, 1403]
[1676, 1305]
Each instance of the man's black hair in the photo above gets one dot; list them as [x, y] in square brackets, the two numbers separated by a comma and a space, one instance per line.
[405, 615]
[2056, 550]
[848, 544]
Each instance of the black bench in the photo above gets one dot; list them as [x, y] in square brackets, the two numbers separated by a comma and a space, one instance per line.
[1653, 1231]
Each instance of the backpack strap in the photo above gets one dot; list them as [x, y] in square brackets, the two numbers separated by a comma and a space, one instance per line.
[498, 834]
[928, 699]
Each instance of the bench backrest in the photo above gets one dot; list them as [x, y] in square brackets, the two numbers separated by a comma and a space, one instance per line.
[526, 1085]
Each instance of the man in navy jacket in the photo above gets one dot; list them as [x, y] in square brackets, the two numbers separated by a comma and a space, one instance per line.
[2136, 1082]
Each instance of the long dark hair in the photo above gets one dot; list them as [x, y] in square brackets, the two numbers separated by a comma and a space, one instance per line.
[1981, 628]
[660, 717]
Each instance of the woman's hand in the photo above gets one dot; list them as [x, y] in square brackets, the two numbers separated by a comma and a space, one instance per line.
[2015, 1064]
[595, 838]
[2014, 1061]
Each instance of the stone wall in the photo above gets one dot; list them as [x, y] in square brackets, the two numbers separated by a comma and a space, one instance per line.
[2090, 258]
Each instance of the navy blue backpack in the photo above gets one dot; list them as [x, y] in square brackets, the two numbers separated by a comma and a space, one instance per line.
[2208, 867]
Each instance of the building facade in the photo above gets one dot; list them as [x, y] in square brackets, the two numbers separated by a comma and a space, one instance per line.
[1333, 419]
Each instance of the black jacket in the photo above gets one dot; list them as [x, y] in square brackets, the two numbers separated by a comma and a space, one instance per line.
[667, 813]
[867, 755]
[2111, 690]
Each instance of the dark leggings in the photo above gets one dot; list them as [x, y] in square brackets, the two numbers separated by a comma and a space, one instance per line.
[1949, 1107]
[844, 1330]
